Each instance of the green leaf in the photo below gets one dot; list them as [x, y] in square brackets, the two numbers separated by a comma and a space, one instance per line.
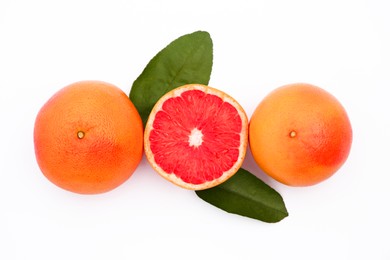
[186, 60]
[244, 194]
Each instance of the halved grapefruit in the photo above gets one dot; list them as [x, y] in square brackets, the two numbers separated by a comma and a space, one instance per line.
[196, 136]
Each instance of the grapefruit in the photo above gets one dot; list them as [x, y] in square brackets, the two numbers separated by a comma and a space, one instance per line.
[88, 137]
[196, 136]
[300, 134]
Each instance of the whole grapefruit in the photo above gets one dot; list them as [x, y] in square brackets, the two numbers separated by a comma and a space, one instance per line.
[88, 137]
[300, 134]
[196, 136]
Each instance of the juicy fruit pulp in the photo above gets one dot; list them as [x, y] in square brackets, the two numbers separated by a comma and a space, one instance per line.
[300, 135]
[196, 136]
[88, 137]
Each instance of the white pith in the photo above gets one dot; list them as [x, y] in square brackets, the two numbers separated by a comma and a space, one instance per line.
[197, 137]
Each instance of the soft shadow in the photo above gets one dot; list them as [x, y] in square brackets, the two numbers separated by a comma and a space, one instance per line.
[250, 165]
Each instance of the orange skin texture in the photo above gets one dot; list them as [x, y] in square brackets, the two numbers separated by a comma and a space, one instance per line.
[300, 135]
[88, 137]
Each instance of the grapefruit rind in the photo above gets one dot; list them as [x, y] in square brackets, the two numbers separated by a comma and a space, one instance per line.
[243, 137]
[300, 135]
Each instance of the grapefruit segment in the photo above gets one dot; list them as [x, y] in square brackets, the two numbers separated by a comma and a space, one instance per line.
[196, 136]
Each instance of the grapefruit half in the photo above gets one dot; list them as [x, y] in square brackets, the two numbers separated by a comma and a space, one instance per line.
[196, 136]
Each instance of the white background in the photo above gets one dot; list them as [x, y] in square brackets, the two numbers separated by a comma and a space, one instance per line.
[341, 46]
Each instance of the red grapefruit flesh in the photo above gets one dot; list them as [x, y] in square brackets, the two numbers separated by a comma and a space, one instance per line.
[196, 136]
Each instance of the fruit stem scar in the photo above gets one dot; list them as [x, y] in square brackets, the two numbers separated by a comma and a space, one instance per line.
[293, 134]
[80, 134]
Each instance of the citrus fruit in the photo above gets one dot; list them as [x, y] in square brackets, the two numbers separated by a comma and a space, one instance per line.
[88, 137]
[196, 136]
[300, 134]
